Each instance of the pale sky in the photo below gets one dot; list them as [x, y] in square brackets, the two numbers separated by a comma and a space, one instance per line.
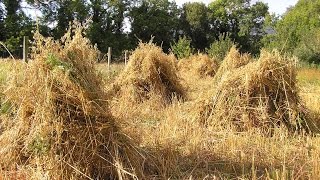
[275, 6]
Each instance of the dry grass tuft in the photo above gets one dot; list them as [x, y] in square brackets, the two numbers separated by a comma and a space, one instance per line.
[60, 126]
[196, 74]
[7, 66]
[149, 75]
[261, 94]
[232, 61]
[198, 66]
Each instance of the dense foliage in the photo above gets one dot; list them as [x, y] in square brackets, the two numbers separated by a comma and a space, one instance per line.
[121, 24]
[219, 48]
[14, 24]
[297, 32]
[182, 48]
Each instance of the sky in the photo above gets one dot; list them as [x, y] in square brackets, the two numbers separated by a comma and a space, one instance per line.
[275, 6]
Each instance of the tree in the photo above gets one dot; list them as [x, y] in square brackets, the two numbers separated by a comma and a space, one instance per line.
[63, 17]
[98, 27]
[16, 25]
[219, 48]
[295, 24]
[308, 48]
[106, 29]
[119, 11]
[241, 19]
[195, 24]
[1, 22]
[182, 48]
[60, 13]
[106, 19]
[68, 11]
[269, 28]
[251, 28]
[12, 25]
[158, 18]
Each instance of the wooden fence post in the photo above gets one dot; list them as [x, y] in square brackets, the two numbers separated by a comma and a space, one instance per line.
[25, 48]
[109, 58]
[125, 57]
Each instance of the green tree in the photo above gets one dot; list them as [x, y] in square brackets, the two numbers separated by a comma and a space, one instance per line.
[251, 28]
[269, 39]
[295, 24]
[182, 48]
[241, 19]
[158, 18]
[67, 11]
[98, 28]
[107, 27]
[12, 25]
[60, 13]
[195, 24]
[1, 22]
[308, 49]
[16, 25]
[220, 47]
[119, 11]
[63, 17]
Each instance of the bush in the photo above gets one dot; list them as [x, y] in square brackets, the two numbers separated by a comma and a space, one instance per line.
[220, 47]
[309, 48]
[182, 48]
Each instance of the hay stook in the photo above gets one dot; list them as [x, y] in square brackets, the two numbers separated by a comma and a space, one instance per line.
[261, 95]
[150, 74]
[233, 60]
[62, 125]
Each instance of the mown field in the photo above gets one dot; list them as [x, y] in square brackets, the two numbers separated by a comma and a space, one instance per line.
[65, 117]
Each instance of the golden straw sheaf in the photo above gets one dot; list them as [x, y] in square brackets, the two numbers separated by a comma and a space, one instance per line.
[259, 94]
[149, 74]
[61, 124]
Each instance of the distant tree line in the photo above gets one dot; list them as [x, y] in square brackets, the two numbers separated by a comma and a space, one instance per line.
[120, 24]
[297, 31]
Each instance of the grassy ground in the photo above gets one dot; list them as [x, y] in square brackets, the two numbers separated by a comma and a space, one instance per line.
[185, 150]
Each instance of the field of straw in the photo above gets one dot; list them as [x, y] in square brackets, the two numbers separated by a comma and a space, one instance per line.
[65, 117]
